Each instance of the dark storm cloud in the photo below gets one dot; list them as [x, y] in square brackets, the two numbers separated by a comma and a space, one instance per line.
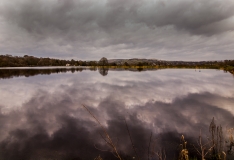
[117, 28]
[193, 16]
[69, 16]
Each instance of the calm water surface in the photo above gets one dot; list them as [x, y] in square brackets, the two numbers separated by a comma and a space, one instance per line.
[42, 115]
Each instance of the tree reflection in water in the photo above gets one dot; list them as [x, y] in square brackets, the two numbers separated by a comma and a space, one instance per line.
[103, 71]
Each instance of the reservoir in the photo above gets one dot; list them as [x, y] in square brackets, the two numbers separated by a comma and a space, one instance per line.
[65, 113]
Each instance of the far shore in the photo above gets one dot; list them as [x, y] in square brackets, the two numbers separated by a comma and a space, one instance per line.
[45, 67]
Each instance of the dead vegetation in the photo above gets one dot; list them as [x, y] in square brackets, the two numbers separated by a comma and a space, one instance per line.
[106, 137]
[213, 148]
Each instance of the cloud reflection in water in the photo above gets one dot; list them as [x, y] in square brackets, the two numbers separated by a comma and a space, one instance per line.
[42, 116]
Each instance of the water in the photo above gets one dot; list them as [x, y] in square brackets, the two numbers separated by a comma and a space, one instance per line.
[42, 116]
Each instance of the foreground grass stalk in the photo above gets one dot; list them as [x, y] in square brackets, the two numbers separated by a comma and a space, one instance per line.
[109, 140]
[184, 152]
[231, 139]
[149, 146]
[202, 149]
[134, 148]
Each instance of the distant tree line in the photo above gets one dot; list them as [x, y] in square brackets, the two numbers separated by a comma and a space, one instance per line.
[30, 61]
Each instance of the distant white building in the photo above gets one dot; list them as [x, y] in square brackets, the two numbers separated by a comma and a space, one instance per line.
[67, 64]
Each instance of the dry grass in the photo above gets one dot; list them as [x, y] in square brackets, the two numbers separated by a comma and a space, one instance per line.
[107, 137]
[183, 152]
[214, 145]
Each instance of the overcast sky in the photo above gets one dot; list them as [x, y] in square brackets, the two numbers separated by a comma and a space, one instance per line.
[91, 29]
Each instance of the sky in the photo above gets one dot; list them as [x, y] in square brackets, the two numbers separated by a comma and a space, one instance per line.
[90, 29]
